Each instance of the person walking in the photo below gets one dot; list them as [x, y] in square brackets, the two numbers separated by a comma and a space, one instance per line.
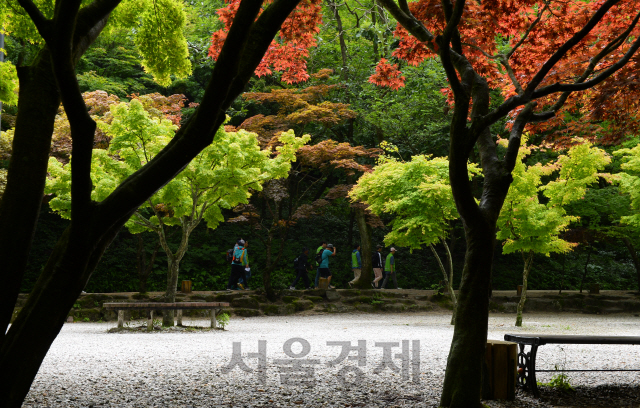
[244, 280]
[302, 270]
[356, 264]
[324, 264]
[390, 269]
[376, 264]
[238, 264]
[319, 250]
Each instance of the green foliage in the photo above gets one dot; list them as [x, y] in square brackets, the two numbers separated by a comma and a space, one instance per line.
[161, 40]
[527, 225]
[417, 193]
[560, 381]
[223, 320]
[8, 83]
[629, 182]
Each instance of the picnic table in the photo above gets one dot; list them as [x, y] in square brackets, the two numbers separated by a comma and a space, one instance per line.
[120, 307]
[527, 361]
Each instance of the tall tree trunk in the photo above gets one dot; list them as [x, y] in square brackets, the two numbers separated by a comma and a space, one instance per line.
[173, 264]
[528, 261]
[366, 249]
[66, 273]
[144, 267]
[20, 203]
[266, 274]
[586, 264]
[448, 278]
[634, 257]
[343, 46]
[462, 387]
[564, 258]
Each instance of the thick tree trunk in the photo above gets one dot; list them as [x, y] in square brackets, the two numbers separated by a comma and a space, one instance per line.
[266, 275]
[20, 203]
[462, 385]
[528, 261]
[28, 340]
[366, 248]
[634, 257]
[173, 265]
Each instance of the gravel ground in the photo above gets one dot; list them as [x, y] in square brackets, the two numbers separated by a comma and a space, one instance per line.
[88, 367]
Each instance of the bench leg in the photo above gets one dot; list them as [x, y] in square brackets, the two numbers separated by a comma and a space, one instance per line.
[179, 317]
[527, 369]
[214, 321]
[150, 320]
[120, 319]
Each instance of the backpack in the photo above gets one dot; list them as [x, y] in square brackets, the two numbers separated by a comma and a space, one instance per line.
[229, 256]
[319, 257]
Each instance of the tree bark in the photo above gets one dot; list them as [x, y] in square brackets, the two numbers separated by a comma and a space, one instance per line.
[448, 278]
[20, 203]
[634, 257]
[586, 264]
[466, 355]
[144, 267]
[366, 249]
[343, 46]
[528, 261]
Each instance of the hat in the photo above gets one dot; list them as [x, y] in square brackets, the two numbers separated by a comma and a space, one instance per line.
[379, 246]
[241, 242]
[392, 249]
[329, 245]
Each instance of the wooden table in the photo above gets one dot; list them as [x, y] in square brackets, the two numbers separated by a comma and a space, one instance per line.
[215, 307]
[527, 361]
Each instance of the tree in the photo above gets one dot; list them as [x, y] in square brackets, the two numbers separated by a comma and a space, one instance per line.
[528, 226]
[220, 177]
[67, 33]
[539, 54]
[629, 183]
[419, 195]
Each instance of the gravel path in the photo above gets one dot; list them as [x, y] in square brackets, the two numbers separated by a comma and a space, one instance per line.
[88, 367]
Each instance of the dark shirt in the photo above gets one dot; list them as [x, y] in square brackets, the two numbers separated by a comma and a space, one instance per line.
[376, 260]
[303, 262]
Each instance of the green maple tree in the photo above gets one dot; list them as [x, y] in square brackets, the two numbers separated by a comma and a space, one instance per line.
[220, 177]
[418, 194]
[529, 226]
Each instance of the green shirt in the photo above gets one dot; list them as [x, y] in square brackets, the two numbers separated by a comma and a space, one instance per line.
[389, 265]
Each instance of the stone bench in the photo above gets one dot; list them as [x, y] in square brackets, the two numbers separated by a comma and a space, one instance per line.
[215, 307]
[527, 361]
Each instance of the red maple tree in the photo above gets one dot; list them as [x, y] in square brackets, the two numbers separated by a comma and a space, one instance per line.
[508, 42]
[289, 50]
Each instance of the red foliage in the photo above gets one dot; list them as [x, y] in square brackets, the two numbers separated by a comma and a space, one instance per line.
[289, 50]
[387, 75]
[614, 101]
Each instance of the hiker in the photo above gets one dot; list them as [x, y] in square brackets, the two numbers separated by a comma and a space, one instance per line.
[376, 264]
[238, 264]
[356, 264]
[302, 269]
[390, 269]
[318, 251]
[244, 280]
[324, 265]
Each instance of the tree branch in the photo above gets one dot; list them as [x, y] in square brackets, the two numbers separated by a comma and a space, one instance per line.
[43, 25]
[564, 48]
[516, 135]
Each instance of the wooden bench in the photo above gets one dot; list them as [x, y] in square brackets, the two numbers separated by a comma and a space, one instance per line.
[215, 307]
[527, 361]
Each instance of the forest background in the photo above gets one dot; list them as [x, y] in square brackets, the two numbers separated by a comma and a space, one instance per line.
[338, 102]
